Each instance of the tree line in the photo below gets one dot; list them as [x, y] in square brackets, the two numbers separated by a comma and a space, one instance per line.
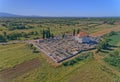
[104, 42]
[82, 57]
[47, 34]
[14, 26]
[16, 36]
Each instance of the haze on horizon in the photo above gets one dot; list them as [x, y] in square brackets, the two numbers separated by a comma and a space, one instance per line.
[86, 8]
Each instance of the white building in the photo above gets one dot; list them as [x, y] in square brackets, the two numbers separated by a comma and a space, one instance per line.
[82, 37]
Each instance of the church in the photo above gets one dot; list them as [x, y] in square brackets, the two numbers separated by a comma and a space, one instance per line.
[83, 37]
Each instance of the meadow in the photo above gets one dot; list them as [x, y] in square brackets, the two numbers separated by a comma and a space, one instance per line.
[85, 71]
[88, 70]
[13, 54]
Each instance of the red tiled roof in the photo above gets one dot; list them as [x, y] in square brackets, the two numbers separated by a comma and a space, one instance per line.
[82, 34]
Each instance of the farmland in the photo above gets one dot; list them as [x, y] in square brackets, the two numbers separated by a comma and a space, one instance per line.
[58, 26]
[13, 54]
[87, 68]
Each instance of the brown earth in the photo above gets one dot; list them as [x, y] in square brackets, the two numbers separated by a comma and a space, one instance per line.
[10, 73]
[105, 31]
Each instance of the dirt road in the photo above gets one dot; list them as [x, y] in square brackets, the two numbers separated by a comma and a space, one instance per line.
[105, 31]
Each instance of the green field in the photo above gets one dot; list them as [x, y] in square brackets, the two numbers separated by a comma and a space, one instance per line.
[58, 26]
[113, 56]
[13, 54]
[89, 70]
[115, 39]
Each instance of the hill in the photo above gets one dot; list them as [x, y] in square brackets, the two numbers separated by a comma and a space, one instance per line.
[8, 15]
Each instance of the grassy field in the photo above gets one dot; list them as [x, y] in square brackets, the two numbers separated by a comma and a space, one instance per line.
[90, 72]
[115, 39]
[84, 71]
[87, 71]
[57, 26]
[13, 54]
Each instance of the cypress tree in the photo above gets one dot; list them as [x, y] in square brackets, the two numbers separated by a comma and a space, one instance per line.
[78, 31]
[74, 32]
[49, 33]
[43, 34]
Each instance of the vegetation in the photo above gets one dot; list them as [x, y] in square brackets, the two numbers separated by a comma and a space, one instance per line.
[90, 70]
[74, 32]
[13, 54]
[113, 59]
[103, 44]
[2, 38]
[114, 56]
[14, 26]
[47, 34]
[32, 28]
[82, 68]
[114, 39]
[34, 49]
[82, 57]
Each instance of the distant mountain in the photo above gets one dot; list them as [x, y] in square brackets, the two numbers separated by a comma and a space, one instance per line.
[8, 15]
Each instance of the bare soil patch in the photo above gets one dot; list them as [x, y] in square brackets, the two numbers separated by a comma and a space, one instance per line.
[105, 31]
[10, 73]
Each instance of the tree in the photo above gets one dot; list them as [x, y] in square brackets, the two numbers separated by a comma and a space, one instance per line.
[35, 33]
[49, 33]
[103, 44]
[4, 33]
[52, 35]
[24, 35]
[112, 33]
[31, 33]
[30, 46]
[74, 32]
[46, 33]
[78, 31]
[43, 34]
[2, 38]
[63, 35]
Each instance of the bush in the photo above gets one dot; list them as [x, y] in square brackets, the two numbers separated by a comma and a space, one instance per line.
[82, 57]
[113, 59]
[2, 38]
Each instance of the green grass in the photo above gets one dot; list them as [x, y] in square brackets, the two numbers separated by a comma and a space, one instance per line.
[88, 71]
[13, 54]
[115, 39]
[57, 29]
[85, 71]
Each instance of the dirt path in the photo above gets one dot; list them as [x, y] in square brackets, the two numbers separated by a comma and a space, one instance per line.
[99, 58]
[105, 31]
[18, 70]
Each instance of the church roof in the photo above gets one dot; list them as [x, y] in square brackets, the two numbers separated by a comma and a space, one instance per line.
[82, 34]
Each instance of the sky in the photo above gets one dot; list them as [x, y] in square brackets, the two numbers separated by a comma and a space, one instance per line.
[74, 8]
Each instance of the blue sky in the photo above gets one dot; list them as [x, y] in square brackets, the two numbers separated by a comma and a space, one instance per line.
[93, 8]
